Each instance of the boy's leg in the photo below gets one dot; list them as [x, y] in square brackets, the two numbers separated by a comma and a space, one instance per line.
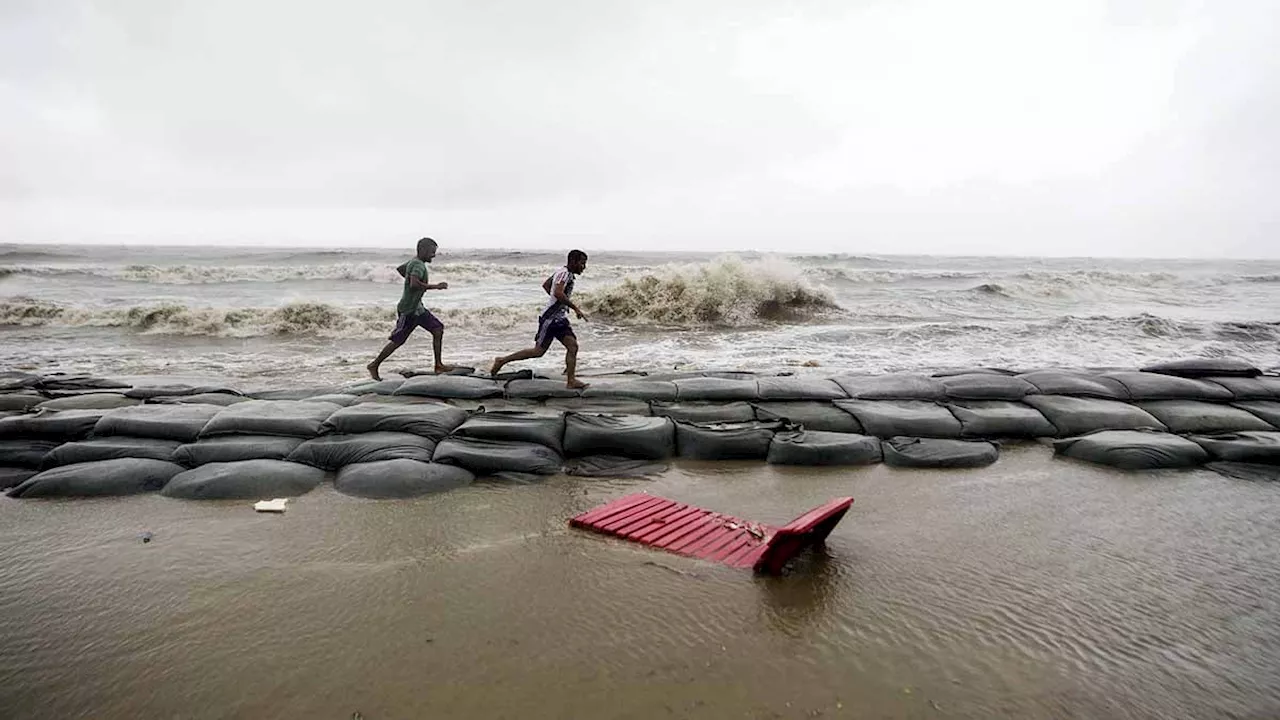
[404, 327]
[571, 362]
[536, 351]
[433, 325]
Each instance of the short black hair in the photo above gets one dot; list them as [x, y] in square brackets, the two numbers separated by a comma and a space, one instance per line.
[575, 256]
[426, 242]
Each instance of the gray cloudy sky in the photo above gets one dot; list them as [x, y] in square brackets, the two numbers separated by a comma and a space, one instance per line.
[1058, 127]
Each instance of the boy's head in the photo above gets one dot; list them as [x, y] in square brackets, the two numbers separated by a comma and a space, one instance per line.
[426, 249]
[577, 262]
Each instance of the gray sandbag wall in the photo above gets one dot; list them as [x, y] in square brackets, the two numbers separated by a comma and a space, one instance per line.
[75, 434]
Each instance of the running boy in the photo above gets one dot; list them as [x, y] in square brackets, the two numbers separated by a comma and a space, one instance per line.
[553, 324]
[410, 313]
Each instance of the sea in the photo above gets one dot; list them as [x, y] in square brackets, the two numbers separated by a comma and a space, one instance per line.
[298, 316]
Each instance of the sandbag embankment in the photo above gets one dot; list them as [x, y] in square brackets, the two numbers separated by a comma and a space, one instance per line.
[1000, 419]
[641, 438]
[388, 479]
[1082, 415]
[450, 386]
[246, 480]
[705, 412]
[1195, 416]
[917, 452]
[127, 476]
[1133, 449]
[544, 428]
[816, 447]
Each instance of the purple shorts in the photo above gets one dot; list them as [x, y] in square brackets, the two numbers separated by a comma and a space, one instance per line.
[406, 324]
[554, 329]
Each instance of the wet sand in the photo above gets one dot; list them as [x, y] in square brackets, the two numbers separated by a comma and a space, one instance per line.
[1034, 588]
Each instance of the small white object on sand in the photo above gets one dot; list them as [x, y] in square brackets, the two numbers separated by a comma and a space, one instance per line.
[276, 505]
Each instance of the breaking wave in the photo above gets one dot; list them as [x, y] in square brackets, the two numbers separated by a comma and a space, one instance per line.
[724, 292]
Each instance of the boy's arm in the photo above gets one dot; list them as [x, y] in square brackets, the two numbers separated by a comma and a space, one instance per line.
[546, 284]
[558, 293]
[403, 268]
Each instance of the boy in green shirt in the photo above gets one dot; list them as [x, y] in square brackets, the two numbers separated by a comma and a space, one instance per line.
[410, 313]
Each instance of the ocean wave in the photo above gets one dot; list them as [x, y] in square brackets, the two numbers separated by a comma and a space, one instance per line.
[317, 319]
[724, 292]
[365, 272]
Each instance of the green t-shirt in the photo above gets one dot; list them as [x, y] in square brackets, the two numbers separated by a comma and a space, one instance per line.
[411, 300]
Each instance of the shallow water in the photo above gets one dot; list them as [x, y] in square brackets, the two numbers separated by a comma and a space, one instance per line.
[1034, 588]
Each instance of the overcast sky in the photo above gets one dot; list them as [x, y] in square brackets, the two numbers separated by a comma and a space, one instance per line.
[1055, 127]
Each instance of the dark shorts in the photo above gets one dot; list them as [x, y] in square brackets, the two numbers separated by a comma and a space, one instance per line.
[554, 329]
[406, 324]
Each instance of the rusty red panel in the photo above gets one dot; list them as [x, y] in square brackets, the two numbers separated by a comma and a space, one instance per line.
[696, 532]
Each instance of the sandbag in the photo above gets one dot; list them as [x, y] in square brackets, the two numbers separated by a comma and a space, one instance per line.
[110, 448]
[65, 425]
[1246, 471]
[1251, 447]
[339, 399]
[740, 375]
[219, 399]
[400, 479]
[954, 371]
[17, 380]
[1133, 449]
[1194, 416]
[126, 476]
[1078, 415]
[235, 448]
[725, 441]
[1076, 384]
[644, 438]
[938, 453]
[913, 418]
[20, 400]
[90, 401]
[986, 386]
[794, 388]
[61, 381]
[892, 387]
[599, 406]
[540, 389]
[151, 392]
[613, 466]
[1267, 411]
[246, 480]
[331, 452]
[1266, 387]
[705, 412]
[450, 386]
[811, 414]
[998, 418]
[376, 387]
[1154, 386]
[294, 418]
[1205, 367]
[815, 447]
[646, 390]
[25, 452]
[713, 388]
[13, 476]
[487, 457]
[168, 422]
[295, 394]
[430, 420]
[544, 428]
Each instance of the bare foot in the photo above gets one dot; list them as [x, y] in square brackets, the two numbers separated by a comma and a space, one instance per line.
[496, 367]
[575, 385]
[442, 369]
[373, 372]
